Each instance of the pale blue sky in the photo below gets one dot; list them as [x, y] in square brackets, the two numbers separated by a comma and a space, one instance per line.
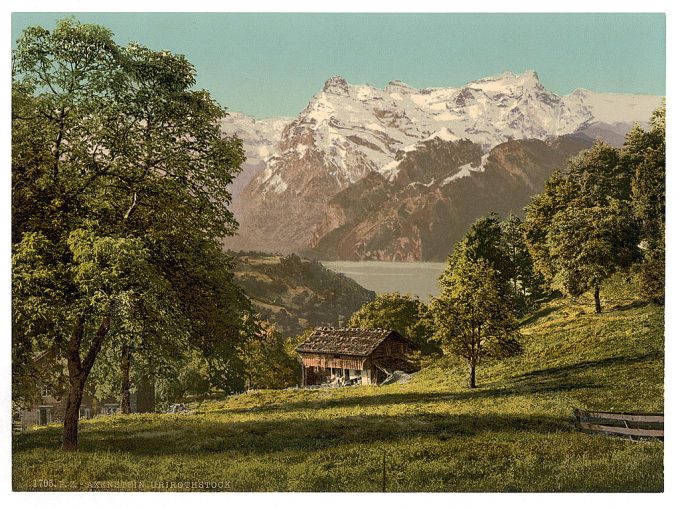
[272, 64]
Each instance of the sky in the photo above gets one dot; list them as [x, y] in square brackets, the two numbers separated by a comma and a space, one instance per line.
[272, 64]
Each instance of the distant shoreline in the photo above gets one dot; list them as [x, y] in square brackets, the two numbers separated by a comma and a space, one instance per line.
[416, 278]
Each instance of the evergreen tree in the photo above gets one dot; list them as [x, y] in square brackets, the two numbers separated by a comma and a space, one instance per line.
[644, 153]
[527, 286]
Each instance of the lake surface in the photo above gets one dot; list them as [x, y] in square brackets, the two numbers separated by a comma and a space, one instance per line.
[417, 278]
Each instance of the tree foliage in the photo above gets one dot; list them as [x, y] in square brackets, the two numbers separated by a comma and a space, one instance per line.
[503, 246]
[403, 313]
[645, 153]
[588, 244]
[558, 193]
[526, 284]
[269, 360]
[484, 240]
[594, 216]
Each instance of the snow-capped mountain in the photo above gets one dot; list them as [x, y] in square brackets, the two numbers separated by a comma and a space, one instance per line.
[348, 131]
[260, 139]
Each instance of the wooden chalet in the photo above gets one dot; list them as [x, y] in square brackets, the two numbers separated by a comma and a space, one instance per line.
[353, 356]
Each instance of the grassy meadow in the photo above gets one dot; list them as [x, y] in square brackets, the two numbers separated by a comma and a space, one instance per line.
[513, 433]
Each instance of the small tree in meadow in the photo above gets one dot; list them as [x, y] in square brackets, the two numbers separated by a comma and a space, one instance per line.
[471, 318]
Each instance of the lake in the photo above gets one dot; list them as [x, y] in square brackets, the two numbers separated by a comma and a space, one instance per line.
[417, 278]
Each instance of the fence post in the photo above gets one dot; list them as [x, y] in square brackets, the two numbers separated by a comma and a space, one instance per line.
[384, 472]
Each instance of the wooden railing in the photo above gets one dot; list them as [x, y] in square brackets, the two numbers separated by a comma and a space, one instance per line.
[633, 425]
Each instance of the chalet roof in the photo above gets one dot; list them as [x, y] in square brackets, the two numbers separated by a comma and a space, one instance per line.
[360, 342]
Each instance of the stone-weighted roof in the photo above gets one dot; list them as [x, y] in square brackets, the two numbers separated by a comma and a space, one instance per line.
[360, 342]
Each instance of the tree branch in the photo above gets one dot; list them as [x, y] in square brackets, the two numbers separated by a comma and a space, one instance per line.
[97, 343]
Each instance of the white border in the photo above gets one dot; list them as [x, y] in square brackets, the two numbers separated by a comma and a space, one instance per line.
[672, 471]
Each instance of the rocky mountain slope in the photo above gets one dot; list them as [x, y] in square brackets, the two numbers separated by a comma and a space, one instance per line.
[429, 198]
[347, 132]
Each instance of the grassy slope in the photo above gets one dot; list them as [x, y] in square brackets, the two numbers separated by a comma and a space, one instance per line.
[511, 434]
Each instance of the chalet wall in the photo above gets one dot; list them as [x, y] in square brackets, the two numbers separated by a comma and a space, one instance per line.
[358, 351]
[333, 361]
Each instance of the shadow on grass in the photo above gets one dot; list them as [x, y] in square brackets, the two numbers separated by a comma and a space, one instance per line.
[625, 307]
[190, 436]
[542, 381]
[552, 374]
[540, 314]
[518, 388]
[200, 433]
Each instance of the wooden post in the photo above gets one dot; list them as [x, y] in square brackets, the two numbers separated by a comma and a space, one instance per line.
[384, 472]
[304, 378]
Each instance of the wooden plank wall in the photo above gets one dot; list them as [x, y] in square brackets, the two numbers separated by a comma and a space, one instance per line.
[332, 361]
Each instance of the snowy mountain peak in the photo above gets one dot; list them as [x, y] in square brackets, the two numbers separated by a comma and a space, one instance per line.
[350, 130]
[399, 135]
[398, 86]
[336, 85]
[508, 82]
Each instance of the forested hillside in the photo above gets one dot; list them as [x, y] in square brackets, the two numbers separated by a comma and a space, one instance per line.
[296, 294]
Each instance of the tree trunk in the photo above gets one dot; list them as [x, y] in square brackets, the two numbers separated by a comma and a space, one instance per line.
[125, 379]
[78, 371]
[75, 397]
[598, 305]
[472, 382]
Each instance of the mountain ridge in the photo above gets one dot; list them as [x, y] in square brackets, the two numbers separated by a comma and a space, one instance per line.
[348, 131]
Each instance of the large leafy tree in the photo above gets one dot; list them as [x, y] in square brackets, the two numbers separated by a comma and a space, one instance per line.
[119, 174]
[503, 245]
[471, 318]
[485, 240]
[589, 244]
[560, 190]
[581, 229]
[599, 175]
[403, 313]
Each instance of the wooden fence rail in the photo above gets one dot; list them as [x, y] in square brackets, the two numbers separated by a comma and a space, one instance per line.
[633, 425]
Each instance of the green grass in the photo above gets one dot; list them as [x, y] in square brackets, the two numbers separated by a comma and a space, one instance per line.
[514, 433]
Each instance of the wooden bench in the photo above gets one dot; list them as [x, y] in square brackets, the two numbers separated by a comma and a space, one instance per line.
[633, 425]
